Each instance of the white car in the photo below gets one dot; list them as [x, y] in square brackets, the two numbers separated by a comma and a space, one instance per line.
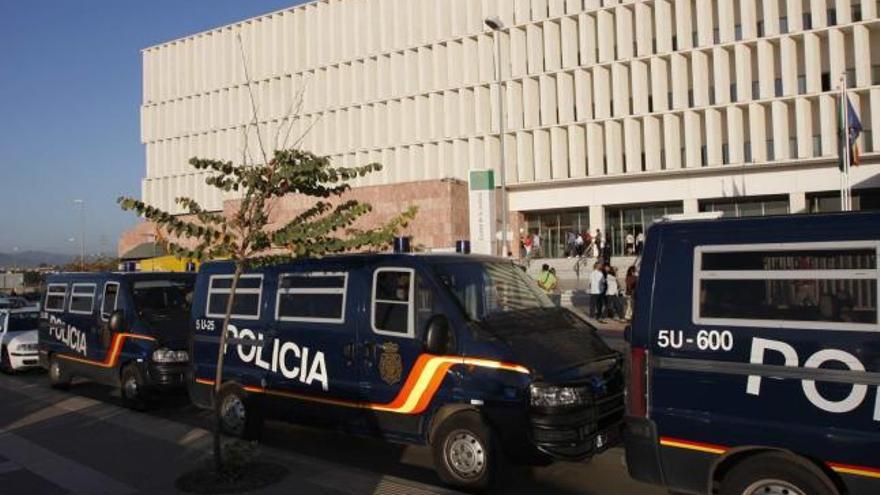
[18, 339]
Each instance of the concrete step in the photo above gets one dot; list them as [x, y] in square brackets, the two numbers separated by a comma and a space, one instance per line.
[574, 273]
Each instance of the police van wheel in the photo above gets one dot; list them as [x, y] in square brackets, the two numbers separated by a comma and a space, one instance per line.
[58, 378]
[239, 415]
[131, 388]
[5, 362]
[464, 452]
[776, 473]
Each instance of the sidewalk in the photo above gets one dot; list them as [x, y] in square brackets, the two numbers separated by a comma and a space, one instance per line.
[54, 443]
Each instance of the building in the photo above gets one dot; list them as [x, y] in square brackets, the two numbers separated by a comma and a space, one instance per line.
[616, 111]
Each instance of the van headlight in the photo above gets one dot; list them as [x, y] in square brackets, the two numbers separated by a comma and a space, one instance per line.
[550, 396]
[168, 356]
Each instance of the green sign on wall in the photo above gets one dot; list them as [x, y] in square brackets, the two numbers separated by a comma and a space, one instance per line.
[482, 180]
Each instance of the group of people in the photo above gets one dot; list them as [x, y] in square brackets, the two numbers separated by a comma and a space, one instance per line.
[607, 297]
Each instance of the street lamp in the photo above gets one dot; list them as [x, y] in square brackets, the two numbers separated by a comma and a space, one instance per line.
[497, 25]
[81, 204]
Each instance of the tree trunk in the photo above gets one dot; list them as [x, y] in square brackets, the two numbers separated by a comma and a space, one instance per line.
[218, 375]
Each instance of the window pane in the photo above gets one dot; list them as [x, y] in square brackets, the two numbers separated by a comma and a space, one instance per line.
[244, 304]
[792, 300]
[392, 317]
[243, 283]
[108, 305]
[392, 286]
[84, 289]
[81, 303]
[852, 259]
[306, 281]
[322, 306]
[55, 302]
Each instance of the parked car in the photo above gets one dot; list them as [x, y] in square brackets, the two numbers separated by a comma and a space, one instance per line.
[128, 330]
[462, 353]
[18, 339]
[755, 362]
[13, 302]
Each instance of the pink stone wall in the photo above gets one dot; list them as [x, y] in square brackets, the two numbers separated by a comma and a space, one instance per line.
[442, 218]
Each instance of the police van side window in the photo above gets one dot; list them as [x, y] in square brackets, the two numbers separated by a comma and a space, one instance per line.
[393, 302]
[56, 296]
[110, 299]
[806, 285]
[317, 297]
[248, 297]
[82, 299]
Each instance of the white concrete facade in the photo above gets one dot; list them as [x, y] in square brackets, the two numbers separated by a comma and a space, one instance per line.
[607, 101]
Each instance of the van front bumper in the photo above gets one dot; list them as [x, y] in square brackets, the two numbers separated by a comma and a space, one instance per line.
[575, 435]
[167, 375]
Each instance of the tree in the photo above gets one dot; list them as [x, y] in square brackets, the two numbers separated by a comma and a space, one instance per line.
[244, 236]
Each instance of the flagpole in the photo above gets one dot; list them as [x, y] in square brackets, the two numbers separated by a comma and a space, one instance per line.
[846, 150]
[841, 115]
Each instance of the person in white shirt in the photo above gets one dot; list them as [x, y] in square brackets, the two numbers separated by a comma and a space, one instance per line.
[612, 294]
[630, 243]
[598, 289]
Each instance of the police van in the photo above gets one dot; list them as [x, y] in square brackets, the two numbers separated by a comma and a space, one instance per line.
[129, 330]
[755, 357]
[463, 353]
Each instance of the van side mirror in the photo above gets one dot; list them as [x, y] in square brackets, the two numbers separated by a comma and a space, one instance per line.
[117, 321]
[440, 339]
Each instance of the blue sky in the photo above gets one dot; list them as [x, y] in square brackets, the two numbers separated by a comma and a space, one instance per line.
[70, 90]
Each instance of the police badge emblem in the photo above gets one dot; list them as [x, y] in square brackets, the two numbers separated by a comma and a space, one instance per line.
[390, 363]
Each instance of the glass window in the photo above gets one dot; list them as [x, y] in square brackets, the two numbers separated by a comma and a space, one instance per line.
[393, 301]
[788, 286]
[555, 230]
[485, 290]
[747, 207]
[248, 296]
[783, 25]
[312, 297]
[82, 298]
[56, 294]
[21, 321]
[109, 301]
[808, 21]
[164, 300]
[620, 222]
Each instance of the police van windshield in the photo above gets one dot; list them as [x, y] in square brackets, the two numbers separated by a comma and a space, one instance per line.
[489, 289]
[162, 297]
[19, 322]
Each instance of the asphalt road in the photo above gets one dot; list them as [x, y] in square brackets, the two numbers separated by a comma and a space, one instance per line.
[82, 441]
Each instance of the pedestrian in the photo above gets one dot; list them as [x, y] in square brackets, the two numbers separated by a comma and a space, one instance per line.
[579, 245]
[612, 294]
[547, 280]
[536, 245]
[597, 292]
[630, 244]
[527, 245]
[640, 243]
[570, 244]
[588, 240]
[606, 252]
[631, 282]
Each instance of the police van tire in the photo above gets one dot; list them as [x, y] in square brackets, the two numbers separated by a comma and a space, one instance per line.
[132, 389]
[5, 361]
[58, 378]
[239, 414]
[465, 452]
[776, 472]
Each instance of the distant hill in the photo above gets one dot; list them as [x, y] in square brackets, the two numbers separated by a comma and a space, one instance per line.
[31, 259]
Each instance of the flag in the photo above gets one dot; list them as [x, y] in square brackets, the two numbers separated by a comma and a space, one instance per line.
[855, 128]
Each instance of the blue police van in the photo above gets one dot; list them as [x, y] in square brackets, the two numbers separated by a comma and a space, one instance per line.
[463, 353]
[129, 330]
[755, 357]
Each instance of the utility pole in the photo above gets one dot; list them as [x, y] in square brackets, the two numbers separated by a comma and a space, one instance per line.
[81, 204]
[497, 25]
